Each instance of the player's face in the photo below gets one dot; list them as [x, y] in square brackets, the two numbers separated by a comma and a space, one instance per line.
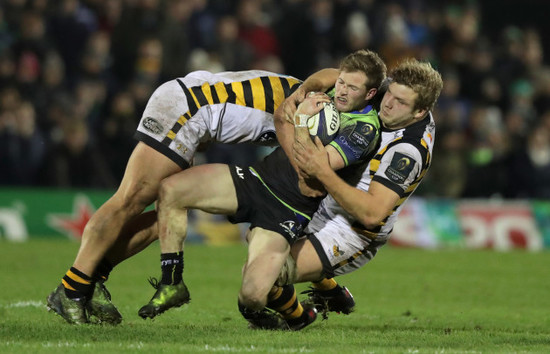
[350, 91]
[397, 108]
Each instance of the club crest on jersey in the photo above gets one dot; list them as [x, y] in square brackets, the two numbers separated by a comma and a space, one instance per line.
[336, 251]
[400, 167]
[152, 125]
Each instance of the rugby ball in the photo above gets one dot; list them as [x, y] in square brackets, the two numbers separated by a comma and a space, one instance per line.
[325, 124]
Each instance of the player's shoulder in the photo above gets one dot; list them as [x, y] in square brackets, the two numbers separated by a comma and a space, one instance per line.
[367, 115]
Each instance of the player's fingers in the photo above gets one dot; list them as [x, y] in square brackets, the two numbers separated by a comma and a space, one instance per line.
[319, 143]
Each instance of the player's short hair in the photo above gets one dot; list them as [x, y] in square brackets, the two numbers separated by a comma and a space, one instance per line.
[422, 78]
[368, 62]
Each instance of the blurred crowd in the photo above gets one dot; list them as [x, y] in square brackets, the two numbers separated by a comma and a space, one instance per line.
[76, 75]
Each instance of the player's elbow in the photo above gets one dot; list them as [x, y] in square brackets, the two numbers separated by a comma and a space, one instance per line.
[371, 221]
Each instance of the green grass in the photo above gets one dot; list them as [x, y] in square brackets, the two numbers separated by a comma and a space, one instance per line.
[408, 301]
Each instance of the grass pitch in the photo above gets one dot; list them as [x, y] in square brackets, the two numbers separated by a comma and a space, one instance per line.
[408, 301]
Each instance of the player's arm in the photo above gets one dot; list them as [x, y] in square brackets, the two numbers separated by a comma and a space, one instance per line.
[284, 115]
[319, 81]
[369, 208]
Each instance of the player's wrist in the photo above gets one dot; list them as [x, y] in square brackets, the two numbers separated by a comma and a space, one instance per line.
[300, 120]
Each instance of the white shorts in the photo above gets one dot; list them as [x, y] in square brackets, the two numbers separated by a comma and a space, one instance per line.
[342, 250]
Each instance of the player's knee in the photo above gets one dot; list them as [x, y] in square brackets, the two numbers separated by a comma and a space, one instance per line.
[251, 298]
[135, 197]
[167, 193]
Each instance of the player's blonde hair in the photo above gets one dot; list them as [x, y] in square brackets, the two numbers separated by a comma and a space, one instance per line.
[422, 78]
[368, 62]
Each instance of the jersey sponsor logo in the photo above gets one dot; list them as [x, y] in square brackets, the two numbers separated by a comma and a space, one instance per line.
[267, 137]
[152, 125]
[400, 167]
[239, 172]
[343, 142]
[291, 228]
[288, 227]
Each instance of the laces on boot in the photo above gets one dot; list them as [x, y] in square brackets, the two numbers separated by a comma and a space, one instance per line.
[154, 282]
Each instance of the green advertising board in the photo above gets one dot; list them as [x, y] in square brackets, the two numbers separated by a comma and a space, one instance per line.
[428, 223]
[47, 212]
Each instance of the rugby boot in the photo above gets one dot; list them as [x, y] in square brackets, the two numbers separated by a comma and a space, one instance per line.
[100, 308]
[263, 319]
[308, 317]
[335, 300]
[72, 310]
[166, 297]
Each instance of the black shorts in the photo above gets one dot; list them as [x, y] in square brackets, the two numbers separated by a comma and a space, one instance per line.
[261, 208]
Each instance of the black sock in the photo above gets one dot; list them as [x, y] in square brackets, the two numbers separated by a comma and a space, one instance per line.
[77, 284]
[172, 268]
[102, 270]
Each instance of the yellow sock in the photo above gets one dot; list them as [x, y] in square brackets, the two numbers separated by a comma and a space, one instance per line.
[284, 300]
[325, 284]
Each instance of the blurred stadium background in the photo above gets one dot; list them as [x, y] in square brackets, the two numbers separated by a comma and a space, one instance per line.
[75, 76]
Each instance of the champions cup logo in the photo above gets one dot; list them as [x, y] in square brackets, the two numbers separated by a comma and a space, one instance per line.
[403, 163]
[400, 167]
[366, 129]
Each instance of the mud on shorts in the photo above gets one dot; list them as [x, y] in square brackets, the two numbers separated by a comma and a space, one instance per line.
[259, 207]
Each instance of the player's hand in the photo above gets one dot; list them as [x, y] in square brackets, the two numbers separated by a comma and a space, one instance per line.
[313, 103]
[311, 188]
[291, 103]
[311, 157]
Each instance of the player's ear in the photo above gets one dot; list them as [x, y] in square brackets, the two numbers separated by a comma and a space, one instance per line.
[420, 113]
[370, 94]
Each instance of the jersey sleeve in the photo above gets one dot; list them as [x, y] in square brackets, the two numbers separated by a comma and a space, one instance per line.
[400, 167]
[357, 137]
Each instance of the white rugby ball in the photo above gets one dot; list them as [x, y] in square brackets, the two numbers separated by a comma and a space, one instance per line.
[325, 124]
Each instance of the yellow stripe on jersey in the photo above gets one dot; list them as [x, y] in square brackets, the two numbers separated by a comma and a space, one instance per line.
[195, 101]
[237, 88]
[206, 89]
[258, 93]
[183, 119]
[374, 165]
[278, 91]
[221, 91]
[264, 93]
[278, 88]
[171, 135]
[424, 143]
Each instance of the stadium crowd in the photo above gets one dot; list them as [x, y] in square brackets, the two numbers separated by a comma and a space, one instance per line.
[76, 75]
